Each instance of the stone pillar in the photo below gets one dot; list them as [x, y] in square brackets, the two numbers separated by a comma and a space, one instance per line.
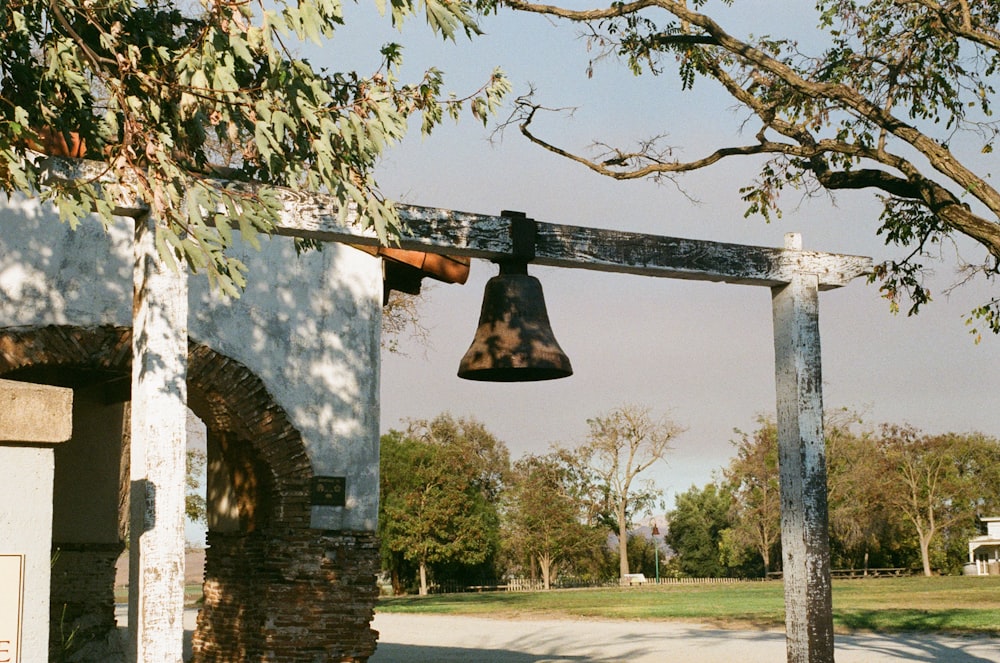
[158, 437]
[805, 544]
[32, 419]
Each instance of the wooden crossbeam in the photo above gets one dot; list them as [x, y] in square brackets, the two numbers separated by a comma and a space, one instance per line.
[489, 237]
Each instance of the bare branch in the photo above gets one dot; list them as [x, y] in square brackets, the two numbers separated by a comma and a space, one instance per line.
[772, 87]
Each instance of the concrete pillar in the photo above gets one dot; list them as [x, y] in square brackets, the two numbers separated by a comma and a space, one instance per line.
[159, 417]
[805, 542]
[32, 419]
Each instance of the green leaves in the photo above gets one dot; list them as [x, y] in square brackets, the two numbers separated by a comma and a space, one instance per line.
[169, 101]
[439, 488]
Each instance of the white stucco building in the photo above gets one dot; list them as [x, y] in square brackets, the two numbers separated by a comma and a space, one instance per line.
[984, 551]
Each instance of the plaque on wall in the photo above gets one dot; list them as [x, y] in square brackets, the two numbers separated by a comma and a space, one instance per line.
[11, 603]
[329, 491]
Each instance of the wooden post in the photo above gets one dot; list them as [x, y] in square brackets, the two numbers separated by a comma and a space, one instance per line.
[159, 407]
[805, 544]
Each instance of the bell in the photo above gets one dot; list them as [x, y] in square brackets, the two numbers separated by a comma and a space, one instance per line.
[514, 342]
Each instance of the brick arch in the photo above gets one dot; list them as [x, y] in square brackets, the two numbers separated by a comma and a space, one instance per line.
[232, 402]
[275, 589]
[236, 407]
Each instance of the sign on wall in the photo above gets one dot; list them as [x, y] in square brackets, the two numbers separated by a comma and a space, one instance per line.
[11, 602]
[328, 491]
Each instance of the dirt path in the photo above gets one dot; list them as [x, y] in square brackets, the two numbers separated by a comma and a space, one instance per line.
[445, 639]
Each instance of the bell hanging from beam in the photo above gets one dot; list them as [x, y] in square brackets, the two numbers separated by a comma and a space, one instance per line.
[514, 341]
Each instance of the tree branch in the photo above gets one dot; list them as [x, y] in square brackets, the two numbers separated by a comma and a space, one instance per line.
[963, 27]
[829, 97]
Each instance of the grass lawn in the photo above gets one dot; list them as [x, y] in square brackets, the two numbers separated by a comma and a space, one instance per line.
[193, 597]
[946, 604]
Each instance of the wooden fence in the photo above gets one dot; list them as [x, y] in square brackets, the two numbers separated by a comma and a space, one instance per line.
[536, 585]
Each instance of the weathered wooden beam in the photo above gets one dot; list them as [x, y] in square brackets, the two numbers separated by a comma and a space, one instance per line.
[489, 237]
[805, 545]
[436, 230]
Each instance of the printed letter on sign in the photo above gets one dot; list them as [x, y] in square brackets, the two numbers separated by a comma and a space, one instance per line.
[11, 600]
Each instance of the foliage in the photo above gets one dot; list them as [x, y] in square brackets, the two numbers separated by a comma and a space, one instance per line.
[202, 113]
[866, 531]
[897, 497]
[887, 95]
[194, 500]
[695, 531]
[622, 445]
[939, 484]
[755, 508]
[644, 554]
[439, 489]
[544, 522]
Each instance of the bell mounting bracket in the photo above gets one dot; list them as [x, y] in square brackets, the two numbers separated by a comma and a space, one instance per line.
[523, 232]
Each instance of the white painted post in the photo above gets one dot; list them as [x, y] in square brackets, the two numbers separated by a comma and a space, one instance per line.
[159, 408]
[805, 542]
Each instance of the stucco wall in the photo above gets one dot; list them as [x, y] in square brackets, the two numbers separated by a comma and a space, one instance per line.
[26, 501]
[308, 326]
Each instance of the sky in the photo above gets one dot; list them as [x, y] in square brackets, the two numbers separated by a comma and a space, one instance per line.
[698, 353]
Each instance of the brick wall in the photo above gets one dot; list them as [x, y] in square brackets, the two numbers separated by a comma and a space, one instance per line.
[296, 596]
[276, 591]
[82, 602]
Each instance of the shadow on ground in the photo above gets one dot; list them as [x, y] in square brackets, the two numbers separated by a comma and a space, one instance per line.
[443, 639]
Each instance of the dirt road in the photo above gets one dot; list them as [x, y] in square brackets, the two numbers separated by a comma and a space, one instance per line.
[446, 639]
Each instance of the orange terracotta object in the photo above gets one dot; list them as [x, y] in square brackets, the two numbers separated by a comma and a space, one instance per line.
[443, 268]
[449, 269]
[57, 144]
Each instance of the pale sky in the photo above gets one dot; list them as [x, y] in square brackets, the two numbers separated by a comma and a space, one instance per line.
[701, 353]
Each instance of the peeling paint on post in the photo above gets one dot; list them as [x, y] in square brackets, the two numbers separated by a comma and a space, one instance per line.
[802, 460]
[159, 413]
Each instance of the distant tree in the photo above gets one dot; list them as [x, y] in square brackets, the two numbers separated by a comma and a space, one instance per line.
[863, 523]
[894, 96]
[622, 445]
[939, 483]
[695, 530]
[753, 483]
[544, 521]
[643, 554]
[439, 487]
[401, 316]
[194, 501]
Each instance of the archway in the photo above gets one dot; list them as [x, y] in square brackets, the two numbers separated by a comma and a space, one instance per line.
[267, 574]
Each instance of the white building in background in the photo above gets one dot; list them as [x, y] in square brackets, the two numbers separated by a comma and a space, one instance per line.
[984, 551]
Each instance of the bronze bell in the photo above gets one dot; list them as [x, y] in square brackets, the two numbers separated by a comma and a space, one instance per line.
[514, 342]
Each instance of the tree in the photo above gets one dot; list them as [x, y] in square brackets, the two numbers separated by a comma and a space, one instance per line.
[621, 445]
[644, 553]
[938, 482]
[439, 487]
[201, 113]
[888, 95]
[194, 501]
[695, 530]
[753, 483]
[863, 523]
[401, 315]
[544, 521]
